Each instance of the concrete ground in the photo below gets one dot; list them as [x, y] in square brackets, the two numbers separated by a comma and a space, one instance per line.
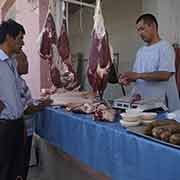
[54, 165]
[62, 171]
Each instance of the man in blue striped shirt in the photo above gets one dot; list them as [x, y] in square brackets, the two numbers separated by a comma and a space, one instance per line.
[11, 111]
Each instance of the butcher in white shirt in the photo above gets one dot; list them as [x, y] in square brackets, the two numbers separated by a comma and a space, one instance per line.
[154, 67]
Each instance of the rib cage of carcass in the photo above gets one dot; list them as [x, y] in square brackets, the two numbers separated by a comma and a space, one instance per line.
[100, 59]
[57, 52]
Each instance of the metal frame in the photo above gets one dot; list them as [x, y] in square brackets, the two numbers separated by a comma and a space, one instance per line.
[80, 3]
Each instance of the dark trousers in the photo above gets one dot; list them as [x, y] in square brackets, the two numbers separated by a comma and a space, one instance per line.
[27, 154]
[12, 149]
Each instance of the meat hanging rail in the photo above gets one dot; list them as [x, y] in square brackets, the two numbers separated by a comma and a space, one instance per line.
[79, 3]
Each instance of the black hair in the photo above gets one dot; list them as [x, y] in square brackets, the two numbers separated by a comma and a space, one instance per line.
[10, 27]
[148, 19]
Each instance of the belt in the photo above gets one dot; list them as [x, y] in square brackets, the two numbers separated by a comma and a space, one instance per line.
[12, 120]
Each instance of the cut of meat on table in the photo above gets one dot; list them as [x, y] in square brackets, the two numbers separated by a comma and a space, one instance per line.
[86, 108]
[104, 113]
[84, 102]
[100, 58]
[71, 98]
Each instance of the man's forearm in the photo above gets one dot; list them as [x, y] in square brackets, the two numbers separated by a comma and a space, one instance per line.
[155, 76]
[34, 108]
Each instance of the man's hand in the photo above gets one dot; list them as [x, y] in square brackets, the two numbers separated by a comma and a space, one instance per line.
[127, 77]
[2, 106]
[41, 103]
[45, 102]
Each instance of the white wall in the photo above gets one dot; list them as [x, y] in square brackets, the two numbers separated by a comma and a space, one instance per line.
[11, 12]
[30, 20]
[167, 26]
[168, 15]
[120, 17]
[150, 7]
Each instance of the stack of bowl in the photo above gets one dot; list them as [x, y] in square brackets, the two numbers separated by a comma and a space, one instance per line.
[148, 117]
[134, 117]
[131, 117]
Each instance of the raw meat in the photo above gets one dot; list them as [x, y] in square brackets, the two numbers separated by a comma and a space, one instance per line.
[104, 113]
[100, 59]
[68, 75]
[48, 38]
[71, 98]
[57, 52]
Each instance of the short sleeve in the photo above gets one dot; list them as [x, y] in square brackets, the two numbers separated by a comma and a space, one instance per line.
[135, 66]
[167, 58]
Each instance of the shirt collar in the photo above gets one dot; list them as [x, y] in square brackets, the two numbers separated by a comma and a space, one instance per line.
[3, 55]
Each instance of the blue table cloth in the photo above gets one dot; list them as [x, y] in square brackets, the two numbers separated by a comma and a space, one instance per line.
[108, 147]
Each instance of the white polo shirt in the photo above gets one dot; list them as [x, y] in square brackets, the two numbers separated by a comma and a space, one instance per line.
[157, 57]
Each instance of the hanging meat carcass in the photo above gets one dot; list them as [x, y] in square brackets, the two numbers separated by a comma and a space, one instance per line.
[100, 59]
[49, 37]
[57, 52]
[48, 40]
[68, 75]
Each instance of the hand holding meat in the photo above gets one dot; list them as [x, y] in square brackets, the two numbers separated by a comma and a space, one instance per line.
[123, 80]
[135, 97]
[43, 102]
[38, 105]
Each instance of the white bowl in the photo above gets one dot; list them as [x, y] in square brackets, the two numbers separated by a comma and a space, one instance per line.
[147, 121]
[148, 115]
[133, 111]
[131, 117]
[129, 124]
